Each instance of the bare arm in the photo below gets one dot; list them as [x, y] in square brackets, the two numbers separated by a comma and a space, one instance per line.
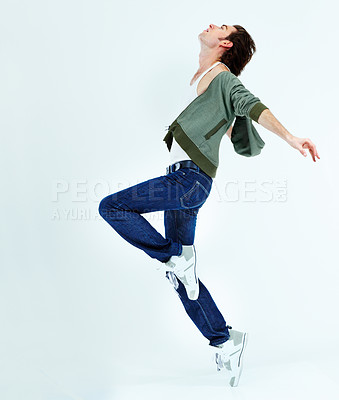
[268, 121]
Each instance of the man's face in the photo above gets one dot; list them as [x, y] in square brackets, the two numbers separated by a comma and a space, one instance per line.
[212, 35]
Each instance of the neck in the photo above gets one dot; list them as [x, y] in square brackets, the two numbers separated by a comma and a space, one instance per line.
[207, 57]
[205, 63]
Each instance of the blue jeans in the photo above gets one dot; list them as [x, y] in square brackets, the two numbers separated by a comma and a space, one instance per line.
[180, 195]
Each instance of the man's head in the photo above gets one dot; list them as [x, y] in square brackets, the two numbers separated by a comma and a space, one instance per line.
[232, 43]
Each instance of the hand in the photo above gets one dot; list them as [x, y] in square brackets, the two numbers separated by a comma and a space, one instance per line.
[304, 143]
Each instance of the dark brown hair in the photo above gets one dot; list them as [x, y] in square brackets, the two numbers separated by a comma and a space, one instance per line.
[241, 52]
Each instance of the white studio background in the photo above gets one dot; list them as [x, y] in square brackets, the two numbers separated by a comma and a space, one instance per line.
[87, 88]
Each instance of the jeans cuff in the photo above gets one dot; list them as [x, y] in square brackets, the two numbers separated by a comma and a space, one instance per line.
[179, 248]
[216, 342]
[179, 251]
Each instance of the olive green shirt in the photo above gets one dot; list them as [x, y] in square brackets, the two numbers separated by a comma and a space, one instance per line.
[199, 128]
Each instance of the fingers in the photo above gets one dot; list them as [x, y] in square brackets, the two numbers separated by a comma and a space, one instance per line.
[312, 153]
[308, 144]
[302, 151]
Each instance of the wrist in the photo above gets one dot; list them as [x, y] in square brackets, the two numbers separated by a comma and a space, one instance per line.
[289, 138]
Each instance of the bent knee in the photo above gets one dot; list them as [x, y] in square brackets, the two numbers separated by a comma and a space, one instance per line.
[104, 206]
[111, 209]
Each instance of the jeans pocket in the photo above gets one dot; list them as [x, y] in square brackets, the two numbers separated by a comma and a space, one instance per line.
[203, 177]
[195, 197]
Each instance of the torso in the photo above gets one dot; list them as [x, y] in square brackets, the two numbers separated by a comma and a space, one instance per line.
[199, 83]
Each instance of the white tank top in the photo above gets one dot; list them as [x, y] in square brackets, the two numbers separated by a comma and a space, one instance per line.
[177, 153]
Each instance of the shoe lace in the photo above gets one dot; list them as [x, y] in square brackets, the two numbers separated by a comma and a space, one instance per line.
[172, 278]
[222, 362]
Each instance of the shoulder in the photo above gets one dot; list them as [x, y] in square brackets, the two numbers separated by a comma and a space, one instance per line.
[224, 74]
[216, 70]
[221, 73]
[221, 67]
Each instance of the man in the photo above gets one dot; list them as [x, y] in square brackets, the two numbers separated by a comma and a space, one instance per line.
[180, 193]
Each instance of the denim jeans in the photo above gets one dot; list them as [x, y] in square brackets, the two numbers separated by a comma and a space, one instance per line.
[180, 194]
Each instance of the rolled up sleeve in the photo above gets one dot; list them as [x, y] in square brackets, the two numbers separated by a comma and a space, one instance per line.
[244, 102]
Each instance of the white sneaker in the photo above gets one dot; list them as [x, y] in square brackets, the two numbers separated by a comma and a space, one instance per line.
[230, 355]
[185, 269]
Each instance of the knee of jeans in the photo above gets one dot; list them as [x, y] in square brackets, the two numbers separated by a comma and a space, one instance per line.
[111, 209]
[103, 206]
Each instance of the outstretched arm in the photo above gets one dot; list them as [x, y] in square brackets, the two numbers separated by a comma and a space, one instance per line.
[268, 121]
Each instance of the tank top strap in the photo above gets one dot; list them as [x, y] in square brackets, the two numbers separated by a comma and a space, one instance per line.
[204, 73]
